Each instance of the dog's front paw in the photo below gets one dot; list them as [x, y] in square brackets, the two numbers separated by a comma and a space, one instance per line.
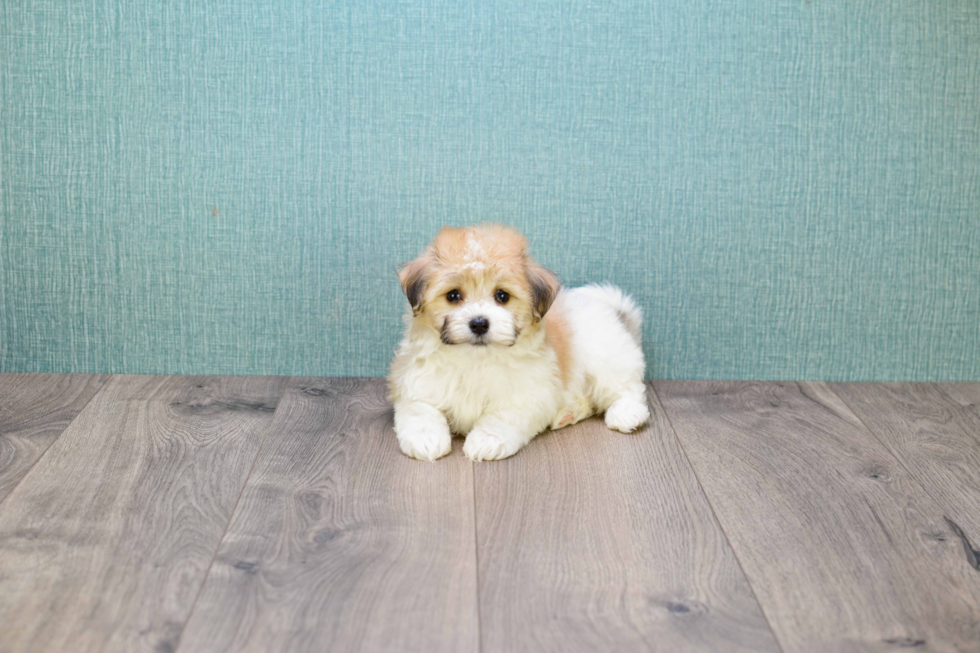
[429, 442]
[481, 444]
[627, 414]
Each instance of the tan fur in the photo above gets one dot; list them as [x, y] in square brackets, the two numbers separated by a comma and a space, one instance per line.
[559, 339]
[476, 261]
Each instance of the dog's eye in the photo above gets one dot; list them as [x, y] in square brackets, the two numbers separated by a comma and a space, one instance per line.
[502, 296]
[453, 296]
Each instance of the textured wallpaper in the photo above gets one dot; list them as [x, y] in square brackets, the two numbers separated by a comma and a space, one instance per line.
[791, 189]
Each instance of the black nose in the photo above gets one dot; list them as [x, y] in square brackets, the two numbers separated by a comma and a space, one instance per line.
[479, 325]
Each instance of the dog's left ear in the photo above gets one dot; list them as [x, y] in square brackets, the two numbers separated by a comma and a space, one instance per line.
[544, 288]
[414, 278]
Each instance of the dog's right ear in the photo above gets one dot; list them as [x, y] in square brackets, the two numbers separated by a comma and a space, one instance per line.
[414, 278]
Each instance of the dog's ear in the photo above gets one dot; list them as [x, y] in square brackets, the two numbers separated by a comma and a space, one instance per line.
[414, 278]
[544, 288]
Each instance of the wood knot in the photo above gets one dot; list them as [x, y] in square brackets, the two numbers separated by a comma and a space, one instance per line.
[904, 642]
[247, 567]
[325, 535]
[680, 607]
[876, 473]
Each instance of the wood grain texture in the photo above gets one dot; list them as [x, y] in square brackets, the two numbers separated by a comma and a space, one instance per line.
[106, 542]
[845, 550]
[34, 410]
[340, 543]
[933, 431]
[967, 395]
[591, 540]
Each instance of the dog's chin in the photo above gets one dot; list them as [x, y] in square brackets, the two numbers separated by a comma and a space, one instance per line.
[477, 343]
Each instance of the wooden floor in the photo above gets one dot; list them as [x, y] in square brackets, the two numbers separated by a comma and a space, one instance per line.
[193, 514]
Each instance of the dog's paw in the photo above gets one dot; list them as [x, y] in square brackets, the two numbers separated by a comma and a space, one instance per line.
[484, 445]
[430, 442]
[627, 414]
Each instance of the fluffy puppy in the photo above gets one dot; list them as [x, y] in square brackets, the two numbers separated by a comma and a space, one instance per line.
[495, 349]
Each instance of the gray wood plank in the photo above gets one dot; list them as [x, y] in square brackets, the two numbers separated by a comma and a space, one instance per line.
[590, 540]
[929, 428]
[845, 550]
[107, 540]
[341, 543]
[967, 395]
[34, 410]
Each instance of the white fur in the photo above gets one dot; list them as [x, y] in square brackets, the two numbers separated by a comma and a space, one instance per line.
[501, 323]
[473, 256]
[503, 394]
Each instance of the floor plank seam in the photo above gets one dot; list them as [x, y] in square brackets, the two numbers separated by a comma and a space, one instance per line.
[63, 431]
[231, 516]
[714, 516]
[476, 555]
[884, 444]
[971, 553]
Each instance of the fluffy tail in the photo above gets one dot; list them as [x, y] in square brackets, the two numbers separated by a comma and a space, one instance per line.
[626, 309]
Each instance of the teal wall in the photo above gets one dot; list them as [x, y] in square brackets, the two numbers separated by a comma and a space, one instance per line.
[790, 188]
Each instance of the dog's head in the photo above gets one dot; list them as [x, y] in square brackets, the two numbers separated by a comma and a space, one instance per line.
[478, 286]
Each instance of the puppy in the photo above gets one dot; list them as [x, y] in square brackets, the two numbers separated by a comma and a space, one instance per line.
[495, 349]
